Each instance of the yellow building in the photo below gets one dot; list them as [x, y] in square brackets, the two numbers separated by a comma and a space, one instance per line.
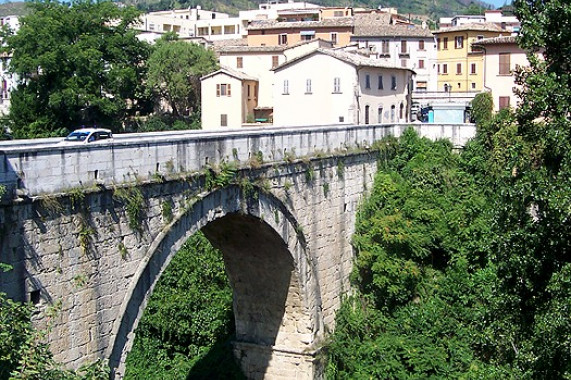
[460, 65]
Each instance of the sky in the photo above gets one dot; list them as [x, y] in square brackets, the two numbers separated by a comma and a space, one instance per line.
[498, 3]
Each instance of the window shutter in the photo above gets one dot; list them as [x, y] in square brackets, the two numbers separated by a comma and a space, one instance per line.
[229, 92]
[217, 90]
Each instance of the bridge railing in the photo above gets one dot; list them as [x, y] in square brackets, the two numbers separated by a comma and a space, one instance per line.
[32, 168]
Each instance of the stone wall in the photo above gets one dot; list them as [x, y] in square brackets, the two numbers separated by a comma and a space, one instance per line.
[90, 266]
[49, 167]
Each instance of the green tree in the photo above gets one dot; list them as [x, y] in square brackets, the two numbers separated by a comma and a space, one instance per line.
[175, 68]
[188, 320]
[533, 226]
[23, 352]
[78, 63]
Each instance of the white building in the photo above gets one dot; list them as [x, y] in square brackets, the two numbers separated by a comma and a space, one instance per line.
[335, 87]
[8, 81]
[252, 66]
[406, 46]
[509, 23]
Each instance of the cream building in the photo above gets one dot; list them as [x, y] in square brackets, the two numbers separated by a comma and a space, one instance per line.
[334, 87]
[502, 56]
[407, 46]
[228, 97]
[252, 66]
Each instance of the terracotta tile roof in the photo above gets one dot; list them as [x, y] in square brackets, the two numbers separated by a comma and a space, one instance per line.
[356, 60]
[497, 40]
[378, 25]
[231, 72]
[231, 42]
[266, 49]
[325, 23]
[477, 26]
[249, 49]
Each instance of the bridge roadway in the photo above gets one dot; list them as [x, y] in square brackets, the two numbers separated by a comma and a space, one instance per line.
[89, 259]
[47, 166]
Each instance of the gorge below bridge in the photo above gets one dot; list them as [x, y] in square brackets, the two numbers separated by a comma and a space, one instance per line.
[88, 230]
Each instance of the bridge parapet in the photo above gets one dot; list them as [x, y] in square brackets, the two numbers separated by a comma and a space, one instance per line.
[50, 167]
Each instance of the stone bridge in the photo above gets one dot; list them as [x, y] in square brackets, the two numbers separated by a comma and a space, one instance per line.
[89, 229]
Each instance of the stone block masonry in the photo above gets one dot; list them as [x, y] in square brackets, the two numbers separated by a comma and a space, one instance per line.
[90, 255]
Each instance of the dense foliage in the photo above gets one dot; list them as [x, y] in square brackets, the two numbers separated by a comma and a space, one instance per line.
[175, 69]
[24, 355]
[78, 64]
[463, 261]
[188, 321]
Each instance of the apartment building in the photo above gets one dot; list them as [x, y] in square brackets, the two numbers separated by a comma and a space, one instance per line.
[329, 86]
[460, 64]
[276, 33]
[248, 72]
[509, 23]
[403, 45]
[502, 56]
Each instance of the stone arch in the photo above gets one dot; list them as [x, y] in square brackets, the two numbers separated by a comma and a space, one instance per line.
[277, 301]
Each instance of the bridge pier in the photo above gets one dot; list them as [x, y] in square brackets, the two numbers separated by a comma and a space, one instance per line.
[271, 362]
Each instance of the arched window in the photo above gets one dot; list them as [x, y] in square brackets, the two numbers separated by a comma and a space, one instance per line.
[380, 114]
[367, 114]
[401, 112]
[393, 113]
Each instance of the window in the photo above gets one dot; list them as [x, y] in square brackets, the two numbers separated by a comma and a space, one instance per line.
[421, 86]
[393, 113]
[286, 87]
[282, 39]
[504, 102]
[473, 86]
[337, 85]
[307, 35]
[385, 47]
[480, 37]
[472, 68]
[393, 83]
[458, 68]
[308, 86]
[341, 119]
[239, 62]
[334, 38]
[367, 108]
[401, 112]
[421, 45]
[504, 68]
[459, 42]
[444, 68]
[275, 60]
[223, 120]
[438, 44]
[438, 68]
[403, 62]
[421, 63]
[223, 89]
[403, 47]
[249, 93]
[380, 86]
[367, 81]
[380, 114]
[445, 43]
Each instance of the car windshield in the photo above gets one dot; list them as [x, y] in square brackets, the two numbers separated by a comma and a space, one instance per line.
[77, 136]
